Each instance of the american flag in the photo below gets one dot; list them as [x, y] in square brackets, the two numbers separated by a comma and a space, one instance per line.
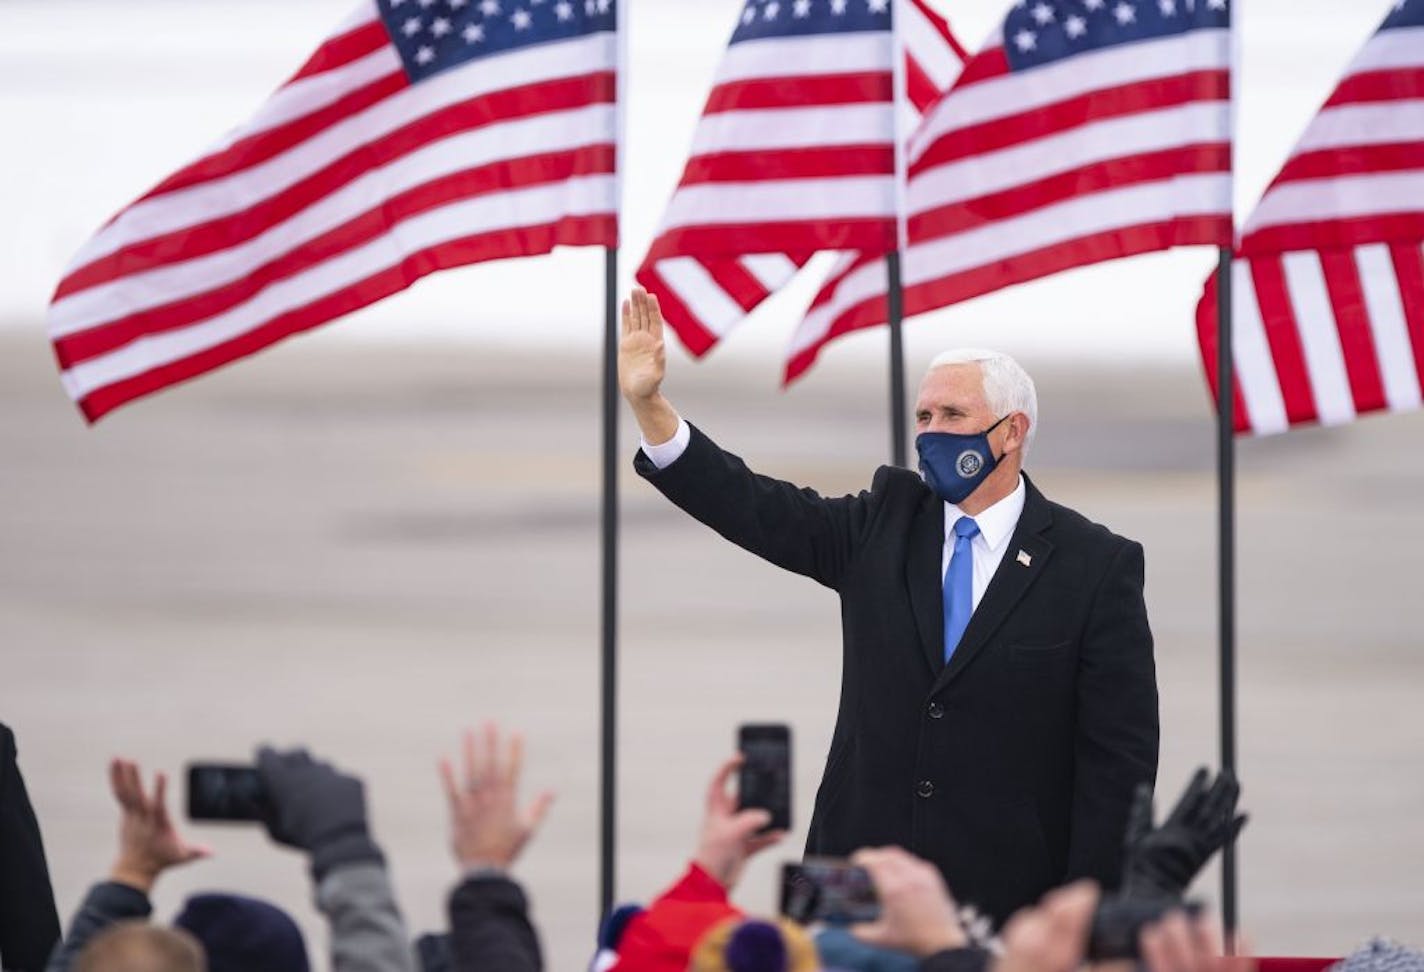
[1328, 286]
[422, 135]
[795, 153]
[1083, 131]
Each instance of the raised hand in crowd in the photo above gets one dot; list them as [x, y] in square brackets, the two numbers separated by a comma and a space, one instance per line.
[1180, 943]
[314, 807]
[1054, 936]
[488, 828]
[149, 843]
[490, 927]
[917, 914]
[1051, 936]
[1162, 861]
[665, 934]
[730, 837]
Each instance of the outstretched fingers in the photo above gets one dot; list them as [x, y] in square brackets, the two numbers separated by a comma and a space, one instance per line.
[119, 784]
[159, 806]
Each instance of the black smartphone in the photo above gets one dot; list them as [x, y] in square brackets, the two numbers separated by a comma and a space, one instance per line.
[823, 889]
[764, 782]
[1118, 923]
[223, 791]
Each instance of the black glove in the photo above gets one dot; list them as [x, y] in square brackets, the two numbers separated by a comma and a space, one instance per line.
[1161, 862]
[314, 808]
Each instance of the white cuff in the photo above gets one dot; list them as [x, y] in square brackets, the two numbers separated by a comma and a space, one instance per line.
[666, 453]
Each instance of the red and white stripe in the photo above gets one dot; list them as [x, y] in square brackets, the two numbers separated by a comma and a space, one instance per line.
[1015, 176]
[349, 184]
[1328, 285]
[794, 154]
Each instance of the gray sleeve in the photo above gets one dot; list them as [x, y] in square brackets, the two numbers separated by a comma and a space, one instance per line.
[367, 931]
[107, 903]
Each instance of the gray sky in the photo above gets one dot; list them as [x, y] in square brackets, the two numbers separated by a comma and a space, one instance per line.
[100, 100]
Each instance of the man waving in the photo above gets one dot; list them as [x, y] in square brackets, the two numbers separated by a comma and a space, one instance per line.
[998, 697]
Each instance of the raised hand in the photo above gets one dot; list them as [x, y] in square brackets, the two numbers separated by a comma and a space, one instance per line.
[730, 836]
[317, 808]
[488, 829]
[1051, 936]
[149, 844]
[1162, 861]
[642, 361]
[917, 913]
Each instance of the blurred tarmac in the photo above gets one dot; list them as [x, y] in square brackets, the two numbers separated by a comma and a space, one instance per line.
[366, 549]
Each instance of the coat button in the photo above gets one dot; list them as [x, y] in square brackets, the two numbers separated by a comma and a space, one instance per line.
[936, 710]
[924, 789]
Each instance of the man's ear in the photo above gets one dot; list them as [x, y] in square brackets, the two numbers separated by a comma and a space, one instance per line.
[1018, 430]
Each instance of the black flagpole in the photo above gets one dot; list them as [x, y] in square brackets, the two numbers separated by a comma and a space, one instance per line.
[608, 605]
[608, 674]
[1226, 553]
[895, 293]
[896, 313]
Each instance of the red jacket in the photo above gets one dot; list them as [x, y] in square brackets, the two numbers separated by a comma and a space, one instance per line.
[661, 939]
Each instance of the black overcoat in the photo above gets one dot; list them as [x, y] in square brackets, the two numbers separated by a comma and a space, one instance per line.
[1013, 767]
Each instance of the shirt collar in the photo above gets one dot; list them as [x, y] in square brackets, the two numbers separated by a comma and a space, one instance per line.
[996, 524]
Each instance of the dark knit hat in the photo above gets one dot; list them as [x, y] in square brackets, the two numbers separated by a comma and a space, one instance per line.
[244, 934]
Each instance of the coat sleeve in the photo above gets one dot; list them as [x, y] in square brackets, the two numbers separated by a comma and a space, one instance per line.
[29, 924]
[793, 528]
[1117, 728]
[107, 903]
[490, 927]
[367, 932]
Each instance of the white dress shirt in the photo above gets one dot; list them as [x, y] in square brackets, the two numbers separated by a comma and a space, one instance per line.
[996, 524]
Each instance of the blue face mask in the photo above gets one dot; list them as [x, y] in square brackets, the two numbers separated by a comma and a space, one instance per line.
[954, 464]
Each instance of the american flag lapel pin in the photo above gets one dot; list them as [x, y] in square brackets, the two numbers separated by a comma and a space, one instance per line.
[1025, 559]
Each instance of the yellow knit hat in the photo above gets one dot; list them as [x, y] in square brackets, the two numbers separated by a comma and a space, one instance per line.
[752, 945]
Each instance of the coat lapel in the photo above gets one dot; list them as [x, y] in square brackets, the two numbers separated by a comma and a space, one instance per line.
[1009, 584]
[922, 575]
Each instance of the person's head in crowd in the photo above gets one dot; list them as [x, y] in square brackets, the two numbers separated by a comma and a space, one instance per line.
[237, 934]
[134, 946]
[312, 807]
[241, 934]
[753, 945]
[1381, 955]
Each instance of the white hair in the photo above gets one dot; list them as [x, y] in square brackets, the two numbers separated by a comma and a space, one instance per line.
[1007, 387]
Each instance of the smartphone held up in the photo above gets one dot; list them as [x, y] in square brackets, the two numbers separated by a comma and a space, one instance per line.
[764, 780]
[225, 792]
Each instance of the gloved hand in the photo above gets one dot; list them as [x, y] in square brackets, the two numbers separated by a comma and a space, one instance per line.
[315, 808]
[1161, 862]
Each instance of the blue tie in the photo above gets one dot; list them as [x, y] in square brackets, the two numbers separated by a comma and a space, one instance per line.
[959, 585]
